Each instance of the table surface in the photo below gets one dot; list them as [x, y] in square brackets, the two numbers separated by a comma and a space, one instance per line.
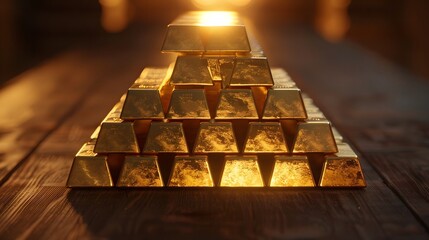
[50, 110]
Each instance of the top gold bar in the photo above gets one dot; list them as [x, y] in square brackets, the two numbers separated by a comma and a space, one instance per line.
[207, 32]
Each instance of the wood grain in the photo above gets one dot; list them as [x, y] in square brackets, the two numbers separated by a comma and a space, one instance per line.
[35, 203]
[381, 109]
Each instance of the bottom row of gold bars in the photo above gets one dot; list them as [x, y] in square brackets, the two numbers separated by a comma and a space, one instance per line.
[318, 151]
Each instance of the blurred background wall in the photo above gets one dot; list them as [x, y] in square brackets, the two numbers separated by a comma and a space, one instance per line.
[31, 31]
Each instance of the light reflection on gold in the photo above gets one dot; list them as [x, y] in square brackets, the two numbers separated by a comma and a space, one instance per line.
[265, 137]
[89, 169]
[188, 104]
[140, 171]
[292, 171]
[220, 4]
[191, 172]
[342, 172]
[314, 137]
[217, 18]
[284, 103]
[165, 137]
[236, 104]
[216, 137]
[241, 171]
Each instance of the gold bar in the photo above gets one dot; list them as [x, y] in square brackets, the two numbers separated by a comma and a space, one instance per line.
[236, 104]
[191, 172]
[314, 137]
[284, 103]
[214, 69]
[251, 71]
[116, 135]
[342, 172]
[292, 171]
[209, 32]
[188, 104]
[140, 171]
[216, 137]
[165, 137]
[241, 171]
[191, 70]
[337, 135]
[143, 100]
[89, 169]
[265, 137]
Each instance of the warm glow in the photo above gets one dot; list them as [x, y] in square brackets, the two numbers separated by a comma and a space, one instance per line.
[220, 4]
[217, 18]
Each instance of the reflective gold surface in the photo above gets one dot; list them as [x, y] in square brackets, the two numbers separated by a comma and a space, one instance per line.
[214, 69]
[89, 169]
[241, 171]
[142, 103]
[188, 104]
[342, 172]
[140, 171]
[344, 150]
[292, 171]
[251, 72]
[165, 137]
[216, 137]
[314, 137]
[191, 172]
[284, 103]
[209, 32]
[236, 104]
[265, 137]
[191, 70]
[116, 136]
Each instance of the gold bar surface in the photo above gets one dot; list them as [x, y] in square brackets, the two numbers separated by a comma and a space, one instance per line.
[253, 71]
[89, 169]
[191, 71]
[190, 171]
[208, 32]
[241, 171]
[284, 103]
[116, 135]
[142, 102]
[265, 137]
[342, 172]
[188, 104]
[281, 79]
[314, 137]
[216, 137]
[140, 171]
[291, 171]
[236, 104]
[165, 137]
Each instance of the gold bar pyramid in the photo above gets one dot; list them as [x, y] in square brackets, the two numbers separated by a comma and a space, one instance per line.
[219, 103]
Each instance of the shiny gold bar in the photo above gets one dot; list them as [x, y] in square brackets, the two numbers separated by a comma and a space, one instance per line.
[251, 71]
[140, 171]
[89, 169]
[338, 137]
[191, 171]
[284, 103]
[208, 32]
[165, 137]
[213, 65]
[314, 137]
[116, 135]
[241, 171]
[143, 99]
[216, 137]
[191, 71]
[265, 137]
[188, 104]
[342, 172]
[292, 171]
[236, 104]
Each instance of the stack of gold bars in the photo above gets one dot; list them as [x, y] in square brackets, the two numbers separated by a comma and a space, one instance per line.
[218, 116]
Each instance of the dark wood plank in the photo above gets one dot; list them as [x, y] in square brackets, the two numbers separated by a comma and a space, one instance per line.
[35, 203]
[380, 108]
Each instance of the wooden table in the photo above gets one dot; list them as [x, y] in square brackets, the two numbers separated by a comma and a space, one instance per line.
[49, 111]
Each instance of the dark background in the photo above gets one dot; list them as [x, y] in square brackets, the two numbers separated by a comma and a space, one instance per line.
[31, 31]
